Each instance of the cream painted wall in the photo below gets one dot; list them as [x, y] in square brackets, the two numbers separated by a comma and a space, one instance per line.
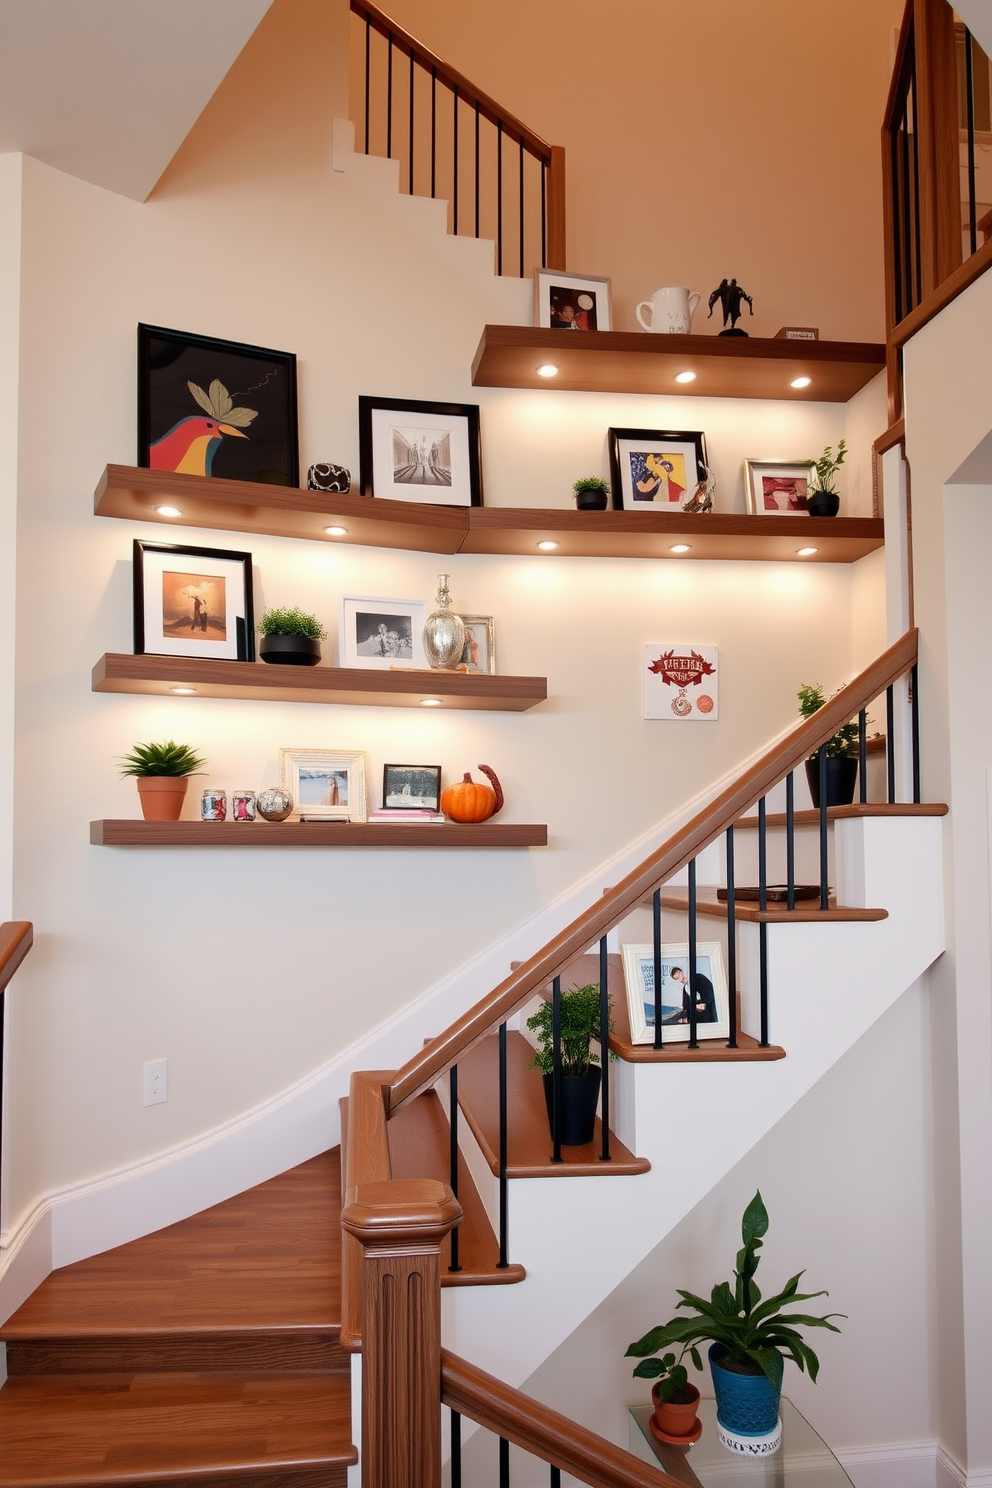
[10, 344]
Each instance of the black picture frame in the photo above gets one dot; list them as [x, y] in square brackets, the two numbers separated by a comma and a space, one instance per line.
[415, 777]
[156, 599]
[455, 480]
[251, 380]
[693, 443]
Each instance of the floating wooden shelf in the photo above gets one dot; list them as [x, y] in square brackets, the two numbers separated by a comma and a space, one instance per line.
[243, 506]
[120, 672]
[635, 362]
[132, 832]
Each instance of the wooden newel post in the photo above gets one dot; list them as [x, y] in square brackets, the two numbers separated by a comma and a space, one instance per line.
[400, 1226]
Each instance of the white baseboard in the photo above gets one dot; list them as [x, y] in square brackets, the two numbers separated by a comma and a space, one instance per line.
[26, 1262]
[895, 1465]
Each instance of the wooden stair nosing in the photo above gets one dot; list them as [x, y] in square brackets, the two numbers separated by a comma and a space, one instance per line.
[810, 816]
[774, 915]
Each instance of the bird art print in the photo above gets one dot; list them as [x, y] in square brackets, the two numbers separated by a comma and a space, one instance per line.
[190, 445]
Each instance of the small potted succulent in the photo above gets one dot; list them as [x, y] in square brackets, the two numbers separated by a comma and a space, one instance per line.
[162, 774]
[822, 500]
[591, 493]
[842, 753]
[580, 1068]
[290, 636]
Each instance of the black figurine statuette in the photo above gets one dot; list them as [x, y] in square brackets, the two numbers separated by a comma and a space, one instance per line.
[731, 297]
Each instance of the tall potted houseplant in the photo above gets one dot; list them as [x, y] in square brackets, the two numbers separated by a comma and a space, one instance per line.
[749, 1340]
[162, 774]
[580, 1067]
[842, 753]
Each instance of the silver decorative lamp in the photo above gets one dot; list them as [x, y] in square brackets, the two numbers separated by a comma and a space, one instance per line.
[444, 633]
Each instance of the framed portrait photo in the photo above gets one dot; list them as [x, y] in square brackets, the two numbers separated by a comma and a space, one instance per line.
[571, 302]
[709, 987]
[382, 633]
[411, 787]
[210, 407]
[777, 487]
[326, 784]
[412, 451]
[479, 651]
[192, 602]
[655, 467]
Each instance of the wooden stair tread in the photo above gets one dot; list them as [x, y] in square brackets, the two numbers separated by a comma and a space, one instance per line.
[709, 905]
[124, 1429]
[528, 1141]
[419, 1146]
[811, 817]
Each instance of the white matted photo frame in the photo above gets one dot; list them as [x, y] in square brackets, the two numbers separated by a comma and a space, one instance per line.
[382, 634]
[777, 488]
[710, 987]
[571, 302]
[192, 602]
[657, 468]
[326, 784]
[416, 451]
[479, 651]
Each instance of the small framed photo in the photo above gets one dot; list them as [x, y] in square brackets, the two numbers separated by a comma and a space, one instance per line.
[326, 784]
[655, 467]
[411, 787]
[571, 302]
[210, 407]
[777, 487]
[479, 651]
[382, 633]
[709, 989]
[412, 451]
[192, 602]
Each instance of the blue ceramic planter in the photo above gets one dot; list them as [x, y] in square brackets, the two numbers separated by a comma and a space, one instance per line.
[746, 1404]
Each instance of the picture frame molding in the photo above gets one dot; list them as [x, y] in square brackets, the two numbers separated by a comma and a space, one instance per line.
[618, 437]
[634, 955]
[355, 761]
[245, 625]
[369, 406]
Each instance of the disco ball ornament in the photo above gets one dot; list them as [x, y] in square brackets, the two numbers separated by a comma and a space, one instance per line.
[274, 804]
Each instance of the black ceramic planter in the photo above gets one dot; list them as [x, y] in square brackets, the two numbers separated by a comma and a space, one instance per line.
[591, 500]
[842, 776]
[579, 1098]
[823, 504]
[289, 650]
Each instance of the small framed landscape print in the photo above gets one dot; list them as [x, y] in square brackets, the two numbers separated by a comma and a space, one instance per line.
[777, 487]
[411, 787]
[479, 651]
[655, 467]
[412, 451]
[326, 784]
[709, 989]
[210, 407]
[192, 602]
[571, 302]
[382, 633]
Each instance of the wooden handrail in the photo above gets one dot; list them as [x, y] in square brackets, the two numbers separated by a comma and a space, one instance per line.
[365, 1147]
[16, 939]
[542, 1431]
[437, 1056]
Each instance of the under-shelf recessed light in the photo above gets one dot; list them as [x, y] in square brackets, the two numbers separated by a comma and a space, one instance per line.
[430, 702]
[547, 369]
[800, 382]
[807, 552]
[680, 548]
[183, 691]
[685, 377]
[547, 547]
[336, 531]
[169, 511]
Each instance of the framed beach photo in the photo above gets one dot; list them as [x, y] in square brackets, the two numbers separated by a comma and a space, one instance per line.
[192, 602]
[571, 302]
[211, 407]
[479, 651]
[411, 787]
[326, 784]
[657, 468]
[382, 634]
[412, 451]
[777, 487]
[710, 986]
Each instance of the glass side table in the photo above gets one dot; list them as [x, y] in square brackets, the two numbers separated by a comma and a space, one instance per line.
[803, 1458]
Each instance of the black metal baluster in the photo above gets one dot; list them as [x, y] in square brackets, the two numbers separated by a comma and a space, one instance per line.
[454, 192]
[556, 1068]
[862, 756]
[456, 1450]
[824, 871]
[762, 927]
[555, 1481]
[790, 841]
[604, 1045]
[504, 1236]
[453, 1155]
[890, 743]
[656, 929]
[693, 1040]
[731, 939]
[969, 87]
[410, 173]
[389, 101]
[521, 209]
[476, 167]
[908, 276]
[914, 714]
[544, 214]
[499, 198]
[368, 76]
[897, 225]
[504, 1463]
[433, 132]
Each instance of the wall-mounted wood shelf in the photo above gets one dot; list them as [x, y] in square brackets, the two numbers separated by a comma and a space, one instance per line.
[126, 832]
[257, 680]
[636, 362]
[242, 506]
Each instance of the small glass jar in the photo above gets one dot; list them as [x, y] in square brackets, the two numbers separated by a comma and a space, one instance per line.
[213, 805]
[243, 806]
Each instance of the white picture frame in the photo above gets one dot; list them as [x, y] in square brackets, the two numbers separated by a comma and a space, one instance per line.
[382, 634]
[479, 651]
[312, 776]
[638, 976]
[777, 488]
[571, 302]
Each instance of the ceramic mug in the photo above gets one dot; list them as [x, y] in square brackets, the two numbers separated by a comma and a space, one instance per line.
[671, 309]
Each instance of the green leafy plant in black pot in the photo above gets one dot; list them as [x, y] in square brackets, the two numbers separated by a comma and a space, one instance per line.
[822, 500]
[842, 753]
[162, 773]
[591, 493]
[580, 1066]
[290, 636]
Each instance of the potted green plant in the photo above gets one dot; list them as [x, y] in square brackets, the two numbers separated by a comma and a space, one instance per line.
[290, 636]
[822, 500]
[749, 1339]
[580, 1067]
[162, 774]
[842, 753]
[674, 1418]
[591, 493]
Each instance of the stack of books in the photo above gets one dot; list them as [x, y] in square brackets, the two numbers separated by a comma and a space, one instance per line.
[405, 814]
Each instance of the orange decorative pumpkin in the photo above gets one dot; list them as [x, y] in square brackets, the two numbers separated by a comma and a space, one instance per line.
[469, 802]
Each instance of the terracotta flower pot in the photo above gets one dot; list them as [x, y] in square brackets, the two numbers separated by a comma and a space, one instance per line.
[675, 1420]
[162, 796]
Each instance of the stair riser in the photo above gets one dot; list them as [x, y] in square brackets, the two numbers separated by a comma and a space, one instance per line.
[182, 1353]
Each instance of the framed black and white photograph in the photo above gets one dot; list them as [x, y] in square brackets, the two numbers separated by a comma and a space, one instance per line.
[212, 407]
[709, 988]
[479, 650]
[659, 468]
[413, 451]
[777, 487]
[192, 602]
[571, 302]
[382, 633]
[411, 787]
[325, 784]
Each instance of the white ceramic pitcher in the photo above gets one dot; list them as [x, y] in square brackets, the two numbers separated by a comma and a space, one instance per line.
[671, 309]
